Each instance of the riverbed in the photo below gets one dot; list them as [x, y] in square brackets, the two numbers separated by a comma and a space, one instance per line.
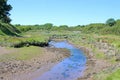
[70, 68]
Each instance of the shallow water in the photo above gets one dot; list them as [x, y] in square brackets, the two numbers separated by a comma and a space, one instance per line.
[70, 68]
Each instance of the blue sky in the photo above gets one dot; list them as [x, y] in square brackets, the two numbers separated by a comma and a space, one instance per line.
[63, 12]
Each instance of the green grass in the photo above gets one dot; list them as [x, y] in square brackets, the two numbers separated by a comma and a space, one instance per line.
[36, 37]
[24, 53]
[100, 76]
[108, 74]
[100, 55]
[114, 76]
[8, 29]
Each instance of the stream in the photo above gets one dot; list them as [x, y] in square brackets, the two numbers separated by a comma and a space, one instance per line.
[70, 68]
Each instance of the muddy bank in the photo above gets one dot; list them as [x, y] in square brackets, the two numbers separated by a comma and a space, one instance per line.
[94, 65]
[20, 70]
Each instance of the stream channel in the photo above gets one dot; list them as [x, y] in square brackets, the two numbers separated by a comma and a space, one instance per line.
[70, 68]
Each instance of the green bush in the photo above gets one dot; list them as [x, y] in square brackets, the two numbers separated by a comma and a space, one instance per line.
[102, 29]
[111, 30]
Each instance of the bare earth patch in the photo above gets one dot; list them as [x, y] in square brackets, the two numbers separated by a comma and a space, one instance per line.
[30, 69]
[3, 50]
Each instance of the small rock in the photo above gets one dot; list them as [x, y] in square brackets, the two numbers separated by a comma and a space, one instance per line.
[118, 59]
[1, 78]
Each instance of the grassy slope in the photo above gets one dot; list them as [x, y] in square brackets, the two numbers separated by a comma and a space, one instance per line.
[7, 29]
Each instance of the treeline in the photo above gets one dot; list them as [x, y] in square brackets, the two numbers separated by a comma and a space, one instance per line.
[110, 27]
[47, 26]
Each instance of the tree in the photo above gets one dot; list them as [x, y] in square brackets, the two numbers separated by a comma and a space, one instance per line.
[63, 27]
[110, 22]
[4, 11]
[48, 26]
